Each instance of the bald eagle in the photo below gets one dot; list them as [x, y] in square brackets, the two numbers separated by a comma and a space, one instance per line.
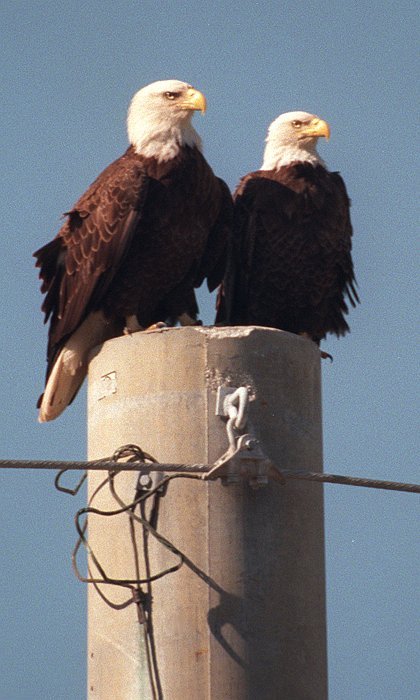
[152, 227]
[290, 266]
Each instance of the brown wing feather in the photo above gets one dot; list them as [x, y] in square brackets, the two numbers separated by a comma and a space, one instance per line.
[290, 266]
[213, 262]
[78, 266]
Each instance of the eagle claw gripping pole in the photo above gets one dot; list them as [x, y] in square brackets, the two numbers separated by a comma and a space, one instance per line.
[244, 458]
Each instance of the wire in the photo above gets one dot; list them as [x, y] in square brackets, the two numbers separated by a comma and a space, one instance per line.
[197, 469]
[142, 599]
[136, 512]
[349, 480]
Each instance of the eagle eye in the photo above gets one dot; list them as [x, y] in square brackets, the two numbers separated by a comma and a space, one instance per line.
[296, 123]
[171, 95]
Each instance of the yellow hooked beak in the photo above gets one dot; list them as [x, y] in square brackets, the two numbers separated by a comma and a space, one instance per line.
[194, 99]
[316, 127]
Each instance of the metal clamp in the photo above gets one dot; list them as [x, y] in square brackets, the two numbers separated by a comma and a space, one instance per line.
[244, 459]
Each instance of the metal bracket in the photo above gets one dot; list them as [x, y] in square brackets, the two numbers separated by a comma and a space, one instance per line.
[150, 480]
[244, 458]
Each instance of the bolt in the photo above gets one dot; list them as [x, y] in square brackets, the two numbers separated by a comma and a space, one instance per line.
[256, 482]
[145, 481]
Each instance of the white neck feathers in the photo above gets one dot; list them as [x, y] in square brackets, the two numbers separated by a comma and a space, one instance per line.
[276, 156]
[154, 137]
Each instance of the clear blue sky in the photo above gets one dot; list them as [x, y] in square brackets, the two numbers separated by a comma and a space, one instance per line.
[68, 73]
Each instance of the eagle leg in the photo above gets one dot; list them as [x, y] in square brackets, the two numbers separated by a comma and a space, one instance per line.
[132, 325]
[187, 320]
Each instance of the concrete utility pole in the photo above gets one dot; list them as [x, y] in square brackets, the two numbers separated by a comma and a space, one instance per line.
[252, 626]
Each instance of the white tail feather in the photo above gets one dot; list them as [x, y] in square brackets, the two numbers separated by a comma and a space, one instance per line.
[70, 366]
[61, 388]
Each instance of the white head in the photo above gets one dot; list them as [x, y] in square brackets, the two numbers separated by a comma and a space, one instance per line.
[159, 118]
[292, 137]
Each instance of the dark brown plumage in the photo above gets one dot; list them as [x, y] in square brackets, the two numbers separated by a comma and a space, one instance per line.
[290, 266]
[135, 245]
